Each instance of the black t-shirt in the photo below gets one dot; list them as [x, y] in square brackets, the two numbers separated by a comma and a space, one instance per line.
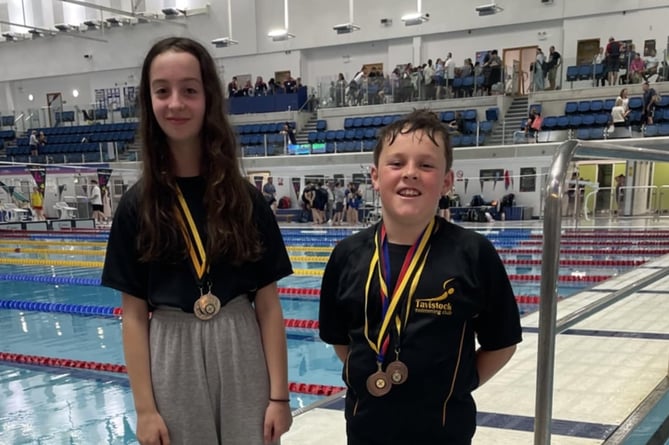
[438, 344]
[173, 283]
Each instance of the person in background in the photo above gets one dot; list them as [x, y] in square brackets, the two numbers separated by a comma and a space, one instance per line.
[210, 364]
[269, 192]
[95, 198]
[406, 302]
[37, 204]
[34, 143]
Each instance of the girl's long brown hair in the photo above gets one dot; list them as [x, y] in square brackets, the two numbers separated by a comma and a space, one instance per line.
[227, 199]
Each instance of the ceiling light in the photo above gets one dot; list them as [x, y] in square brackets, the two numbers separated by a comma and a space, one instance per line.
[92, 24]
[9, 36]
[346, 28]
[489, 9]
[172, 12]
[224, 42]
[278, 35]
[415, 18]
[113, 21]
[35, 33]
[63, 27]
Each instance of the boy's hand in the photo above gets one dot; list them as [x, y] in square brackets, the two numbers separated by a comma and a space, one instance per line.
[278, 420]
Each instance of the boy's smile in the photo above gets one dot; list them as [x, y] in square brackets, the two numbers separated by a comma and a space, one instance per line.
[410, 178]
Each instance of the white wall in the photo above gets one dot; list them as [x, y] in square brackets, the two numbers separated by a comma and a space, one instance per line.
[46, 65]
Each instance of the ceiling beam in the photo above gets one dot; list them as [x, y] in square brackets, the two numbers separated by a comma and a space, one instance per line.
[53, 31]
[121, 12]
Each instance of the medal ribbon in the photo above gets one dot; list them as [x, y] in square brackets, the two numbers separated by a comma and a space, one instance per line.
[196, 250]
[416, 253]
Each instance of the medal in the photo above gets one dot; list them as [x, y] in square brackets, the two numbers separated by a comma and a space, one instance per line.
[398, 372]
[207, 306]
[378, 383]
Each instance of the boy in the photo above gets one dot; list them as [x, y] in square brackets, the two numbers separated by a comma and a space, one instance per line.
[403, 302]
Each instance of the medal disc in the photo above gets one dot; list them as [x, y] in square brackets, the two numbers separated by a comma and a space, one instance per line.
[398, 372]
[207, 306]
[378, 384]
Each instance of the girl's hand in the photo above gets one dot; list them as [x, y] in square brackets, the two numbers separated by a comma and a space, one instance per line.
[151, 429]
[277, 421]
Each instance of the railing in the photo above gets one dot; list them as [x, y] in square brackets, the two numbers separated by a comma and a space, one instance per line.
[652, 208]
[548, 324]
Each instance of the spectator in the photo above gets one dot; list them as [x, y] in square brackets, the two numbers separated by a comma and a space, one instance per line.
[625, 98]
[650, 99]
[554, 62]
[613, 60]
[457, 125]
[95, 198]
[233, 87]
[269, 192]
[620, 192]
[619, 114]
[290, 133]
[637, 69]
[37, 203]
[260, 87]
[652, 63]
[34, 143]
[600, 59]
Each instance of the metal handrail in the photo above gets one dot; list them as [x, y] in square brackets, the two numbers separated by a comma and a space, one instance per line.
[555, 187]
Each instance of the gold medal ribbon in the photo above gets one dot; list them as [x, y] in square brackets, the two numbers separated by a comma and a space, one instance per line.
[413, 269]
[196, 251]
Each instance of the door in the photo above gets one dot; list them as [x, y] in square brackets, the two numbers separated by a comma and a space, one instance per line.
[517, 63]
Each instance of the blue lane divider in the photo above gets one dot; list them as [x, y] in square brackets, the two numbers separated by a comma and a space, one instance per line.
[77, 281]
[77, 309]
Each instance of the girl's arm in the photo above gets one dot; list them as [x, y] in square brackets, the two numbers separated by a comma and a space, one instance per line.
[270, 319]
[150, 426]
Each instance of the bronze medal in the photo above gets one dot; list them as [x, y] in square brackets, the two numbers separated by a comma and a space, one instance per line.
[398, 372]
[378, 384]
[207, 306]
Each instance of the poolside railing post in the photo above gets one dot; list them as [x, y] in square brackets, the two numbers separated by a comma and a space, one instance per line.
[548, 296]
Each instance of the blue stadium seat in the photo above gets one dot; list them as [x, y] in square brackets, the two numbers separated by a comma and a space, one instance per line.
[321, 124]
[584, 106]
[550, 122]
[635, 103]
[572, 73]
[597, 133]
[596, 105]
[367, 121]
[651, 130]
[348, 122]
[583, 133]
[447, 116]
[469, 115]
[485, 127]
[588, 120]
[575, 121]
[377, 121]
[357, 122]
[663, 130]
[585, 72]
[609, 104]
[492, 114]
[563, 122]
[570, 107]
[602, 119]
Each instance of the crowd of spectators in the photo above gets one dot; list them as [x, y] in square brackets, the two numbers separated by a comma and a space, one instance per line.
[260, 88]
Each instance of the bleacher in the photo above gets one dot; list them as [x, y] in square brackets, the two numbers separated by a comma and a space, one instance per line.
[253, 138]
[80, 143]
[589, 119]
[360, 132]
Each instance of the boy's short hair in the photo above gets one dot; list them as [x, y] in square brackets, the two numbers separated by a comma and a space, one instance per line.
[418, 120]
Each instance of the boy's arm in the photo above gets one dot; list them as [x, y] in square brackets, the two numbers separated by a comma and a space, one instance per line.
[341, 351]
[488, 363]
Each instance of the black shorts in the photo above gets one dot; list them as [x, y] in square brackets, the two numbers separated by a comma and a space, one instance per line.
[97, 207]
[339, 207]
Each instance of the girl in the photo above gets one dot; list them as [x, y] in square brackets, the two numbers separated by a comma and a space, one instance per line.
[197, 245]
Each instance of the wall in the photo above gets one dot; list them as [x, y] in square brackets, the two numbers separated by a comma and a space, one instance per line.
[317, 51]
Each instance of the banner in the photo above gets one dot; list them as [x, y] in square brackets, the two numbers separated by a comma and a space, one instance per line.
[257, 180]
[103, 179]
[296, 186]
[39, 175]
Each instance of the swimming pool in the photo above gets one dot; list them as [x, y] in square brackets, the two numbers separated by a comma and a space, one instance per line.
[51, 404]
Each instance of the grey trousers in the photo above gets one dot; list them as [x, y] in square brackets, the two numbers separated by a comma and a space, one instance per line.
[210, 379]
